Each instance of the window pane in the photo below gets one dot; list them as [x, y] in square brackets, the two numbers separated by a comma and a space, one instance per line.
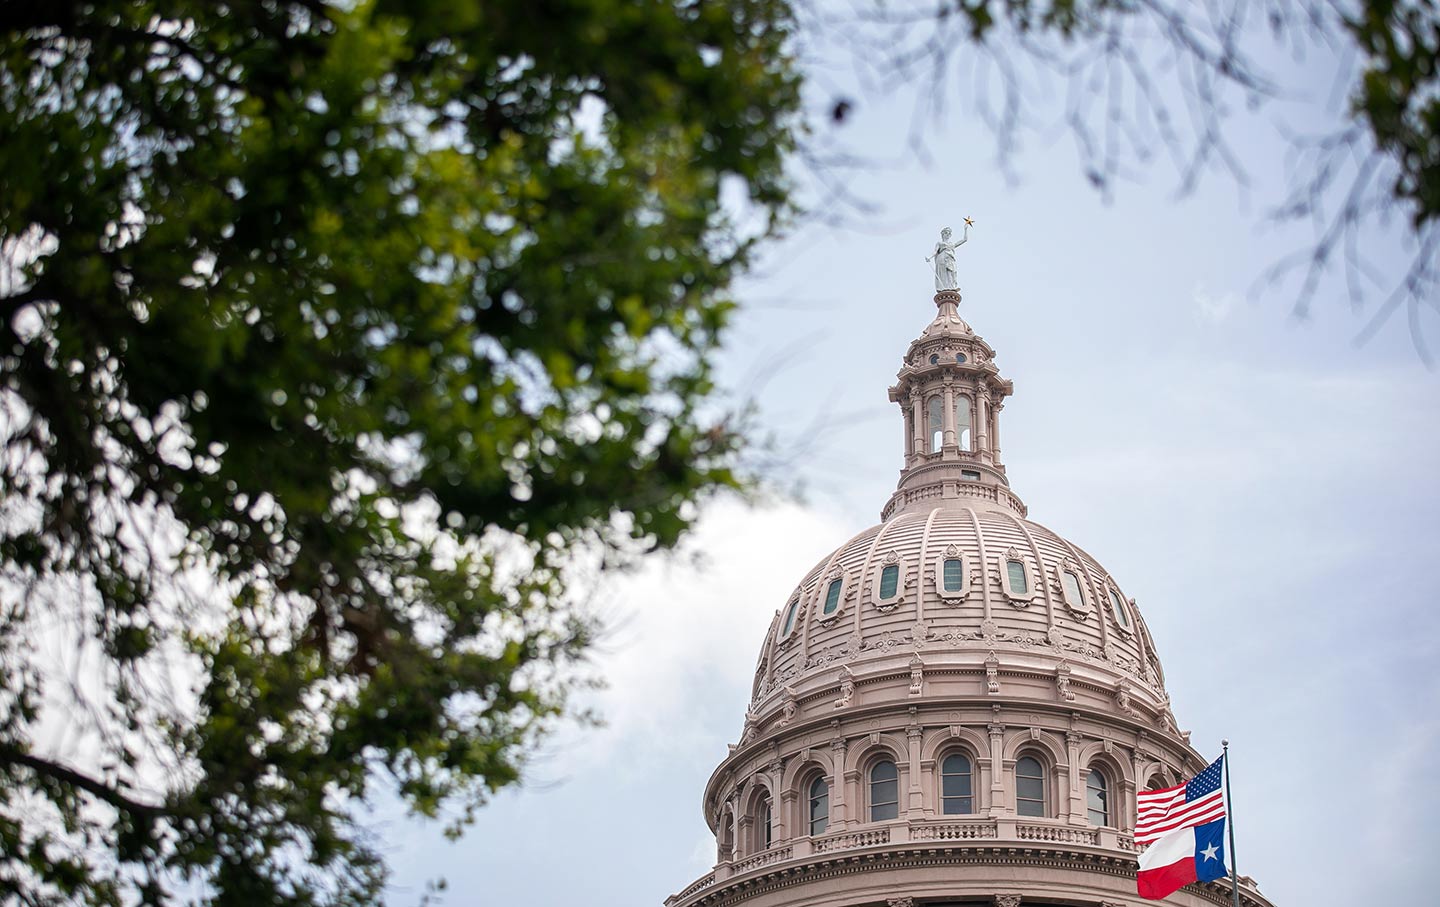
[1072, 587]
[956, 765]
[832, 596]
[1018, 581]
[1097, 799]
[956, 795]
[884, 792]
[889, 581]
[790, 617]
[953, 574]
[1029, 787]
[1121, 617]
[957, 806]
[819, 806]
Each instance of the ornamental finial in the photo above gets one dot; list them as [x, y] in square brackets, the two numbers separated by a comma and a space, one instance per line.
[946, 276]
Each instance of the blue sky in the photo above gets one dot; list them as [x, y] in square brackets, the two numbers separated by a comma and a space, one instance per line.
[1263, 486]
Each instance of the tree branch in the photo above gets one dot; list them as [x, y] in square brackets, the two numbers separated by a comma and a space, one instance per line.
[121, 800]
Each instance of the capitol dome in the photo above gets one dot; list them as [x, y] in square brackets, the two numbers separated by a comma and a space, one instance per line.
[957, 705]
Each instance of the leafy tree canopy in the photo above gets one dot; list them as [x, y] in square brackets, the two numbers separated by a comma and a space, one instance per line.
[329, 334]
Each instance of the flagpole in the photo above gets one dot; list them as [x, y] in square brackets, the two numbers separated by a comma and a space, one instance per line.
[1230, 822]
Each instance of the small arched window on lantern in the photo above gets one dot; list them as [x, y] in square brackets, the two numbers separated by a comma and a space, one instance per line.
[884, 791]
[1029, 787]
[957, 793]
[935, 423]
[962, 421]
[1097, 798]
[819, 806]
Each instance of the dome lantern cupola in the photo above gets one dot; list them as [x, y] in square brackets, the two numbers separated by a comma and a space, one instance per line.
[950, 395]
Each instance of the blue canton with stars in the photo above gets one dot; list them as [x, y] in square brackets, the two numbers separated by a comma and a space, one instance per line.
[1207, 782]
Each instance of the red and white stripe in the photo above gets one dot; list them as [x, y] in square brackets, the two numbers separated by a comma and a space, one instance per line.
[1160, 812]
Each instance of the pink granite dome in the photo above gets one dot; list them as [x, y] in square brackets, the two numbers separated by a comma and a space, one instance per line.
[954, 625]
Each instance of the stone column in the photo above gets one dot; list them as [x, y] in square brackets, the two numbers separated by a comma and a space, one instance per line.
[787, 809]
[947, 418]
[997, 764]
[1077, 788]
[917, 418]
[995, 434]
[982, 421]
[838, 816]
[917, 799]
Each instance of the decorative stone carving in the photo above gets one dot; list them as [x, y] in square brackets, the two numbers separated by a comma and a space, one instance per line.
[989, 631]
[1035, 734]
[919, 635]
[900, 902]
[1108, 746]
[1007, 900]
[992, 674]
[1122, 699]
[1062, 682]
[788, 707]
[917, 676]
[847, 687]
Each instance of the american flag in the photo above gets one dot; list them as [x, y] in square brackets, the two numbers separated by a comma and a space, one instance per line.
[1197, 802]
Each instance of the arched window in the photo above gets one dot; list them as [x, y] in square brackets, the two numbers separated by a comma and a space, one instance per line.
[889, 581]
[819, 806]
[1121, 617]
[1074, 596]
[962, 421]
[1029, 787]
[1156, 782]
[763, 824]
[956, 793]
[953, 574]
[1097, 798]
[884, 791]
[832, 596]
[1019, 579]
[790, 618]
[935, 423]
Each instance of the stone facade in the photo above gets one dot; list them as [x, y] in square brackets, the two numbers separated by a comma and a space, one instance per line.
[955, 707]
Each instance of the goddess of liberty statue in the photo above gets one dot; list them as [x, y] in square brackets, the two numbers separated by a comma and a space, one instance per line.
[946, 277]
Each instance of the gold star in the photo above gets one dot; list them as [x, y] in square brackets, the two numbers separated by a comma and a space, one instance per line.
[969, 222]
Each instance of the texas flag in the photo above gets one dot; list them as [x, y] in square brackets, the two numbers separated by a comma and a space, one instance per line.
[1184, 830]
